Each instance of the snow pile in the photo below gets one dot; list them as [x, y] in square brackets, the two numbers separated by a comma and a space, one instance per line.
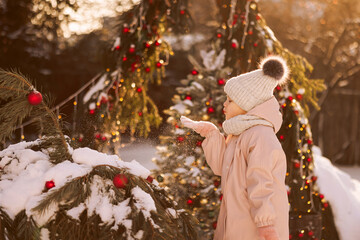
[24, 172]
[342, 192]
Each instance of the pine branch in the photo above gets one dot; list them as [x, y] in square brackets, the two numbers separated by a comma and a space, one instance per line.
[12, 114]
[14, 88]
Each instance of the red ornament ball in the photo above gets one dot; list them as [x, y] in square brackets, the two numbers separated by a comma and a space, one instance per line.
[157, 43]
[198, 143]
[290, 236]
[120, 181]
[147, 45]
[221, 197]
[188, 97]
[219, 35]
[98, 136]
[216, 183]
[150, 179]
[234, 45]
[221, 81]
[117, 47]
[194, 72]
[309, 141]
[256, 44]
[182, 12]
[49, 184]
[311, 233]
[309, 159]
[126, 30]
[140, 114]
[326, 205]
[278, 88]
[131, 50]
[282, 137]
[92, 111]
[250, 32]
[214, 225]
[258, 17]
[158, 64]
[313, 178]
[147, 69]
[34, 98]
[321, 196]
[124, 59]
[297, 165]
[299, 97]
[301, 235]
[104, 139]
[189, 202]
[180, 139]
[211, 110]
[290, 98]
[139, 90]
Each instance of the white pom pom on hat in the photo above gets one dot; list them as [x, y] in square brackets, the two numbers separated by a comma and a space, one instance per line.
[253, 88]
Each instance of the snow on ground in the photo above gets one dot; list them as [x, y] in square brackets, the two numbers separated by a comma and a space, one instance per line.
[343, 193]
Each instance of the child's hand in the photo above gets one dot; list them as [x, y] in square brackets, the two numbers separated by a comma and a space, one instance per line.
[201, 127]
[268, 233]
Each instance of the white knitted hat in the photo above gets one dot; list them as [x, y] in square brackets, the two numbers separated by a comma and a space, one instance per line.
[253, 88]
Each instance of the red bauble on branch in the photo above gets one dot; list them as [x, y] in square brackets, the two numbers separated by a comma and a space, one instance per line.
[120, 181]
[194, 72]
[158, 64]
[297, 164]
[150, 179]
[214, 225]
[34, 98]
[189, 202]
[210, 110]
[180, 139]
[49, 184]
[221, 81]
[188, 97]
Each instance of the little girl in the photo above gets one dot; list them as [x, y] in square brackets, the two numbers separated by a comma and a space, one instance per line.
[251, 161]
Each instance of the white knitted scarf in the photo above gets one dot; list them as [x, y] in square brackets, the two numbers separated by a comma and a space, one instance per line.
[236, 125]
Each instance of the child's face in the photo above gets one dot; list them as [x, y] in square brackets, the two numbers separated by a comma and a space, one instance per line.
[231, 109]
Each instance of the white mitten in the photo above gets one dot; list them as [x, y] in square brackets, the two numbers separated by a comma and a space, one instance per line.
[268, 233]
[201, 127]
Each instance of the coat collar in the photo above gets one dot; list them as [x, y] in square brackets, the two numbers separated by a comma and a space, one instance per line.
[269, 110]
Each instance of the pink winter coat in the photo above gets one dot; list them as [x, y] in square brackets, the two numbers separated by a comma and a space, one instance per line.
[252, 167]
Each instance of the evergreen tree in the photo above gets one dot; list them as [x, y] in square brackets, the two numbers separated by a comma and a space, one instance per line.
[241, 40]
[49, 190]
[119, 101]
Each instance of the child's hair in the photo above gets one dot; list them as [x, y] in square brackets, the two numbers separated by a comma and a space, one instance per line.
[253, 88]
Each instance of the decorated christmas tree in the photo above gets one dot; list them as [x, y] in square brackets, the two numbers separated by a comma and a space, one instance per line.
[119, 101]
[50, 190]
[236, 47]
